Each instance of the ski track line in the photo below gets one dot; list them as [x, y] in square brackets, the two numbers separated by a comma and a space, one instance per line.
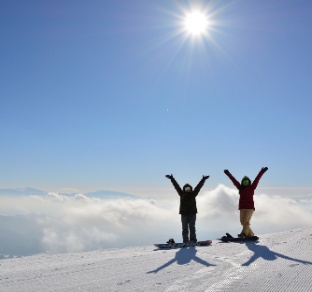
[223, 272]
[280, 264]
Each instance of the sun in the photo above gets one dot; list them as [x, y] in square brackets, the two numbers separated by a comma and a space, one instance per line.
[196, 23]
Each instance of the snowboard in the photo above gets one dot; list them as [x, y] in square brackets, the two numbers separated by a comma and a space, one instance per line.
[184, 244]
[230, 238]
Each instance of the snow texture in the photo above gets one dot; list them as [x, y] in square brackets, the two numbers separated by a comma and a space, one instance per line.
[278, 262]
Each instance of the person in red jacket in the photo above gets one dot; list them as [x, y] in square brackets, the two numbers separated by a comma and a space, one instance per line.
[246, 203]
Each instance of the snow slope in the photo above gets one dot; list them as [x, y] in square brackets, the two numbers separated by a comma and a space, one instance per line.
[278, 262]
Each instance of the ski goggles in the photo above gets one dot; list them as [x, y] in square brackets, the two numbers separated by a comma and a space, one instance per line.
[246, 182]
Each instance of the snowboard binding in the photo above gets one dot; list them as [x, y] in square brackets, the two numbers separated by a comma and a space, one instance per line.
[170, 241]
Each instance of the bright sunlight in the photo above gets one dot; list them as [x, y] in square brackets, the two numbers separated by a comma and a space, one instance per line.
[196, 23]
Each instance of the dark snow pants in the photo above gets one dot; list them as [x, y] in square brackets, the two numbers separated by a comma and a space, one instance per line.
[188, 227]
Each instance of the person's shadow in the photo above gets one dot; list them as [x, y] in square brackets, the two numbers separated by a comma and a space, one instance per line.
[261, 251]
[182, 257]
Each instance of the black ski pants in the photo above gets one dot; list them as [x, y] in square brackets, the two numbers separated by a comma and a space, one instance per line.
[188, 227]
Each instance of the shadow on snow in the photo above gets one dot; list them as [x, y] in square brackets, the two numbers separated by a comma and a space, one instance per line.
[182, 257]
[261, 251]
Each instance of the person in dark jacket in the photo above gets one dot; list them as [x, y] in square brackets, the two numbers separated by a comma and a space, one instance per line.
[188, 208]
[246, 203]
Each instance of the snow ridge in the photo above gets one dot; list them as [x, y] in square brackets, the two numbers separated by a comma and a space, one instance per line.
[278, 262]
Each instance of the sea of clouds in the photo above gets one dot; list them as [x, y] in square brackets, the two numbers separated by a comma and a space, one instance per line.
[60, 223]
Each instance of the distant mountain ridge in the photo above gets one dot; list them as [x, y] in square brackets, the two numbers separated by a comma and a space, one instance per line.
[106, 194]
[101, 194]
[22, 192]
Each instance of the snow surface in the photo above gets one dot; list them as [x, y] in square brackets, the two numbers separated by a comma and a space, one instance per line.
[278, 262]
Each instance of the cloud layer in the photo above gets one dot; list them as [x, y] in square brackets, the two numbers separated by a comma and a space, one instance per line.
[80, 223]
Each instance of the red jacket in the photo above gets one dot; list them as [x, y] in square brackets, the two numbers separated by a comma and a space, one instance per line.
[246, 193]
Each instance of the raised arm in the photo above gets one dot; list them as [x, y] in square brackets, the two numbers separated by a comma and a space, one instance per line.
[232, 178]
[175, 184]
[200, 184]
[258, 177]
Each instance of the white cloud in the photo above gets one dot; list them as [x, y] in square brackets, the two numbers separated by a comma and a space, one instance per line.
[78, 223]
[276, 212]
[218, 203]
[273, 213]
[93, 223]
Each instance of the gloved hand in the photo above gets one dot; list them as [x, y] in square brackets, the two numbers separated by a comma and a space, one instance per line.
[226, 171]
[170, 176]
[205, 177]
[264, 169]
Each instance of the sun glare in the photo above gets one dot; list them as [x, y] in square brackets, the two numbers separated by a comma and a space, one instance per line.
[196, 23]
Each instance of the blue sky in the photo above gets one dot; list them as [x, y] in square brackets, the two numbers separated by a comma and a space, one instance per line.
[111, 94]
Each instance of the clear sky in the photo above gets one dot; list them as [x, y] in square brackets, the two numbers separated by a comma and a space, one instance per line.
[115, 94]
